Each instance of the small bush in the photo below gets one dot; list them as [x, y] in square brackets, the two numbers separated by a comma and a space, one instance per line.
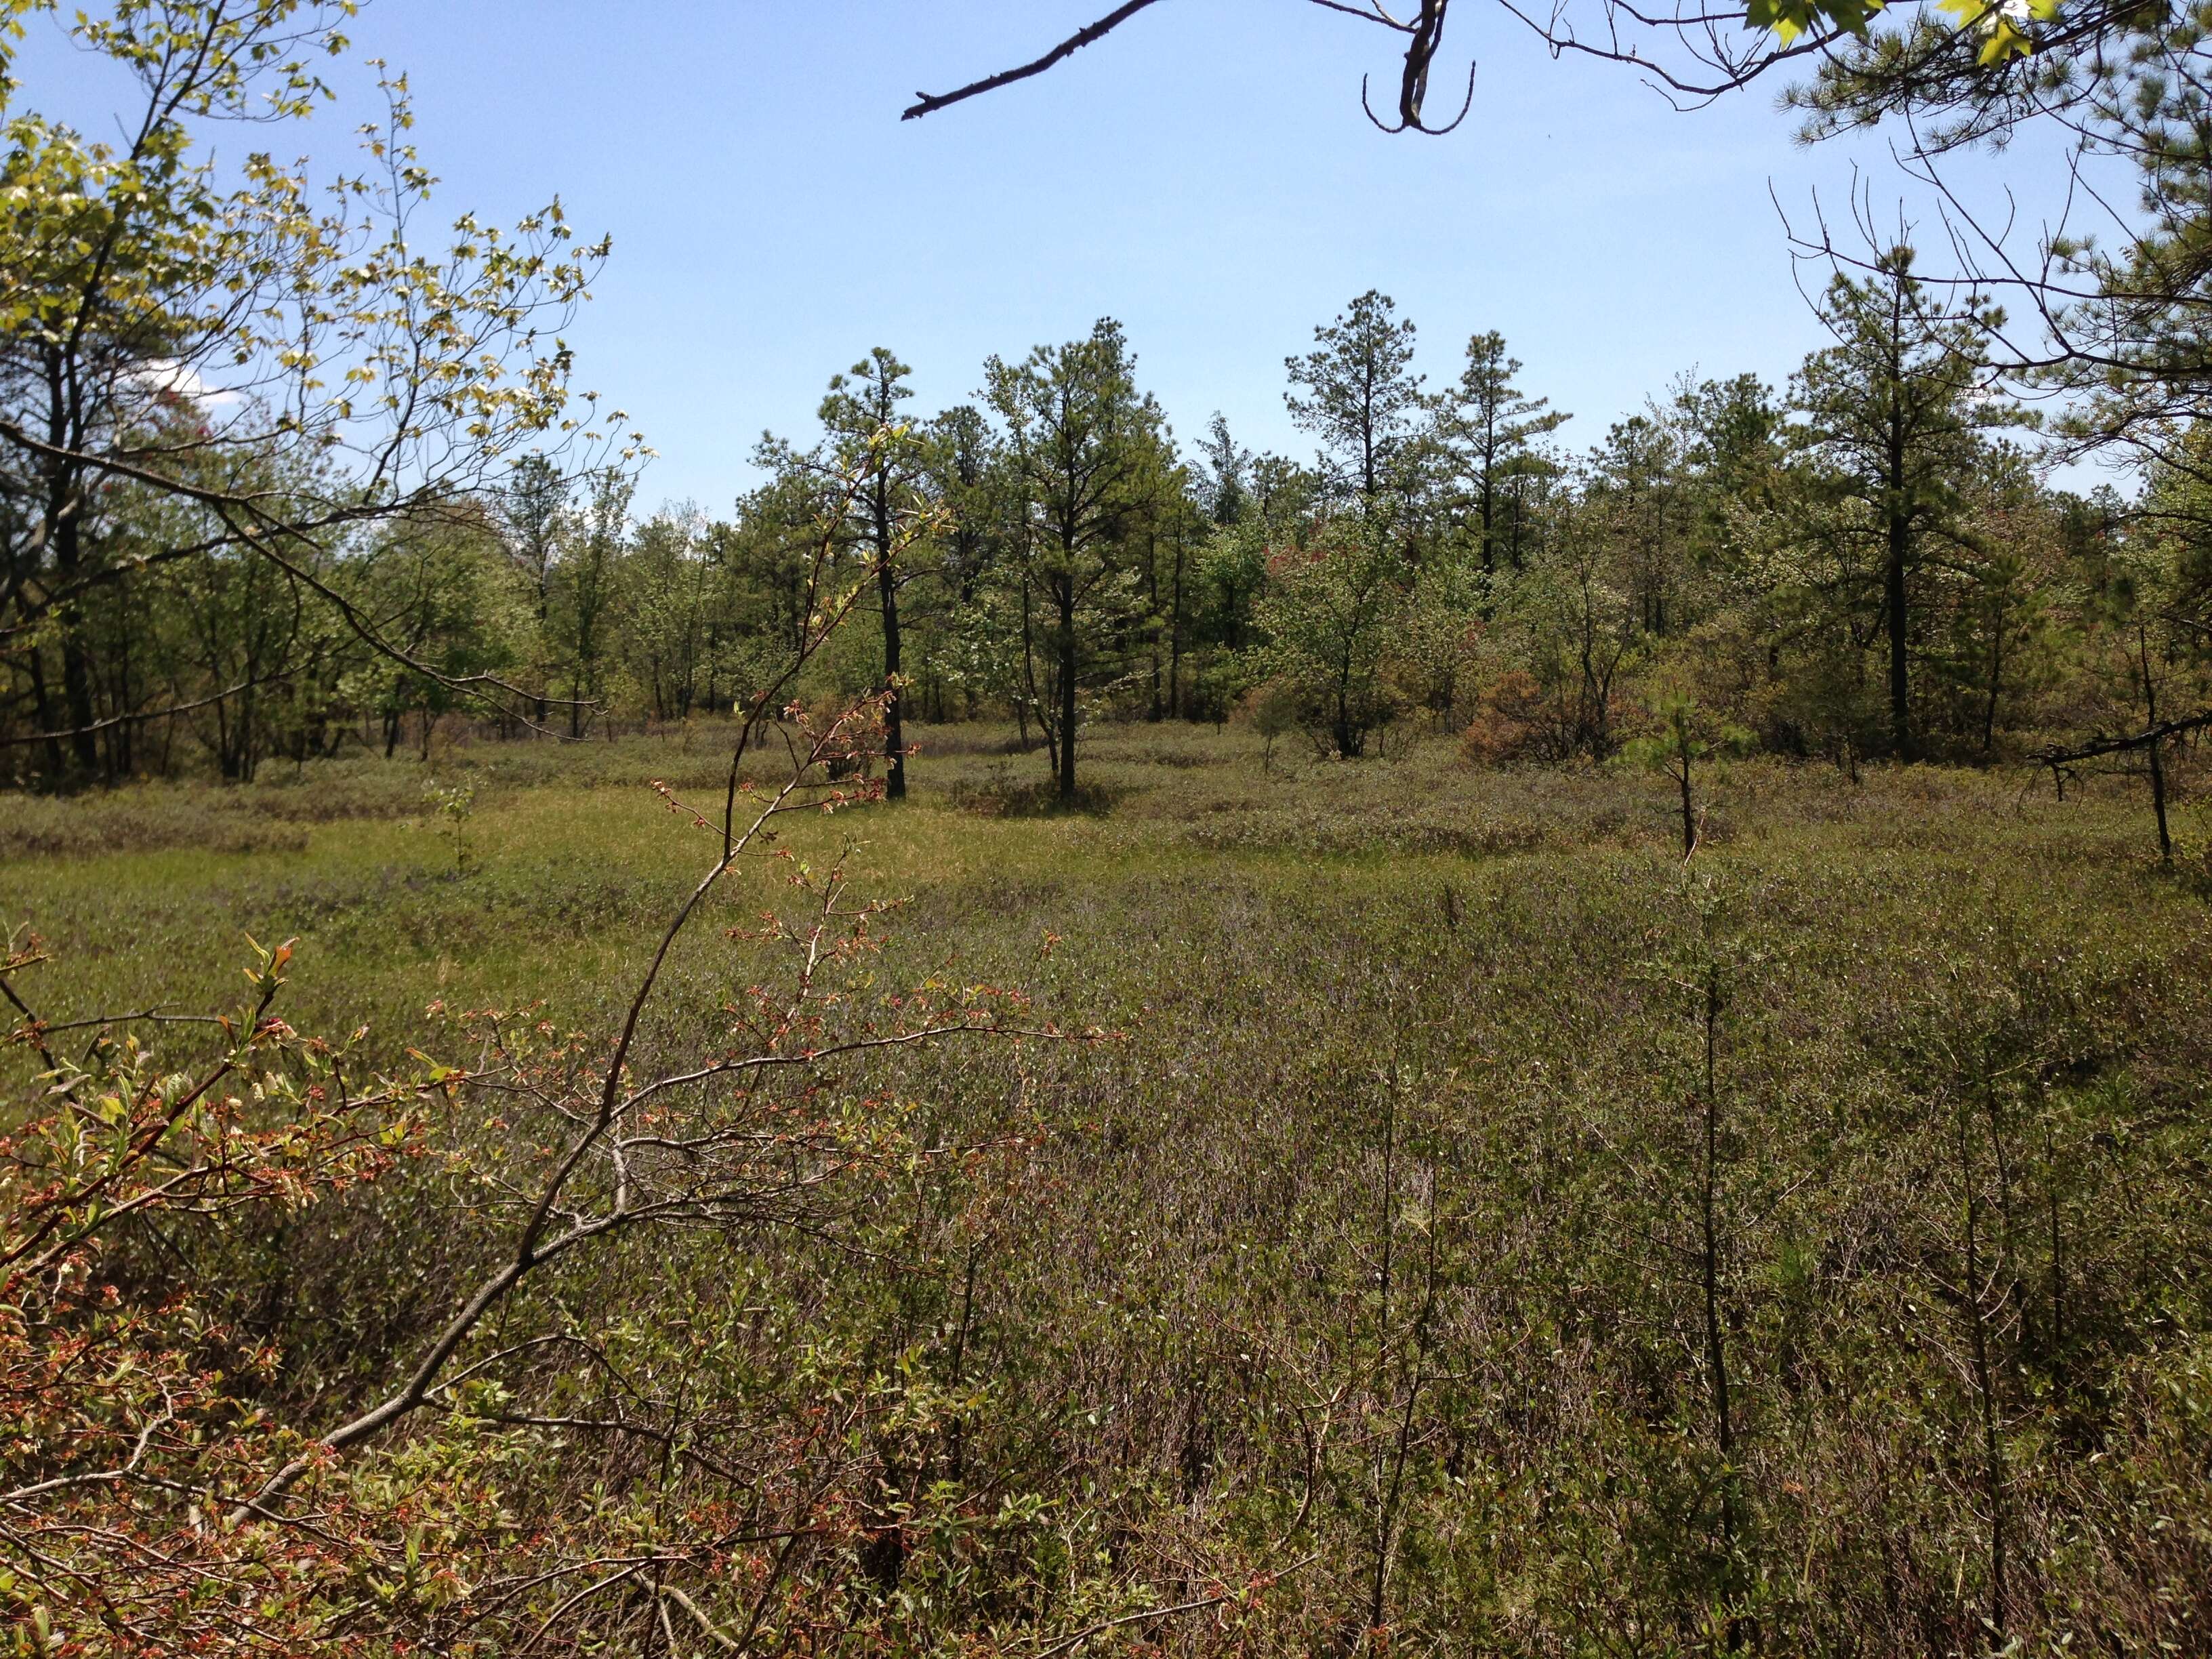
[999, 795]
[1513, 721]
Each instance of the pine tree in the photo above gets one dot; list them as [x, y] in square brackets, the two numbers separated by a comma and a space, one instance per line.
[1894, 411]
[1086, 451]
[1489, 426]
[1362, 398]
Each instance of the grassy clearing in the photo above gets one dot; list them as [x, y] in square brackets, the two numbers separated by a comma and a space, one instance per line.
[1377, 1235]
[573, 861]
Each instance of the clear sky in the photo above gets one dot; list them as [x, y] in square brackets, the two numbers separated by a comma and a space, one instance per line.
[1205, 175]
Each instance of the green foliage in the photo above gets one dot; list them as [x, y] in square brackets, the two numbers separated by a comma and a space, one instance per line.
[281, 368]
[1685, 736]
[1684, 731]
[2003, 30]
[1332, 616]
[455, 805]
[1361, 398]
[1064, 568]
[1791, 18]
[1490, 428]
[1089, 465]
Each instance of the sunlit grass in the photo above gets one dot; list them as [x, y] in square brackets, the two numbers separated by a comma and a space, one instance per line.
[1184, 1252]
[570, 863]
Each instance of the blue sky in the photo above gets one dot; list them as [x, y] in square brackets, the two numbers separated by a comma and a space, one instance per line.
[1205, 175]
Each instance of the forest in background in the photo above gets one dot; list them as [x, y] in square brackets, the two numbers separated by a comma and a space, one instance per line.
[1866, 563]
[1487, 1041]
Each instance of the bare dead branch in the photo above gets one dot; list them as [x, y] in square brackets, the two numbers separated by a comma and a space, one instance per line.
[927, 103]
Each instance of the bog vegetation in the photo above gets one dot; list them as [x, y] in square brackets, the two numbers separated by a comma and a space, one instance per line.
[1049, 1039]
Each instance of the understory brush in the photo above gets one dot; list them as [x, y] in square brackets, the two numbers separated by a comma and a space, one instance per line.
[1480, 1230]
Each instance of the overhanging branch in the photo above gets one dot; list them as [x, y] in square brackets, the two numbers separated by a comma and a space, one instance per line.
[927, 102]
[1424, 34]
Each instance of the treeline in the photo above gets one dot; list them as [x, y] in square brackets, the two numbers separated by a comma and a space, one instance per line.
[1864, 563]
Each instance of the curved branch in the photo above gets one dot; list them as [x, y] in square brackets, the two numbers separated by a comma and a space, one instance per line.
[1413, 121]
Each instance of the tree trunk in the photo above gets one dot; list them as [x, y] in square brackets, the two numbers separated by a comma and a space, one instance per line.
[42, 700]
[1156, 710]
[119, 746]
[1487, 510]
[1066, 649]
[77, 661]
[63, 526]
[1689, 810]
[1893, 601]
[1997, 678]
[894, 711]
[1028, 699]
[2157, 760]
[1175, 635]
[247, 736]
[887, 595]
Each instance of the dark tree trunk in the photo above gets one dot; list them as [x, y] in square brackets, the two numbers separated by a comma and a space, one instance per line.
[1028, 700]
[1996, 682]
[63, 526]
[2158, 804]
[117, 748]
[894, 711]
[1175, 636]
[1155, 710]
[1893, 602]
[1689, 809]
[2157, 760]
[1486, 509]
[1066, 644]
[43, 701]
[77, 661]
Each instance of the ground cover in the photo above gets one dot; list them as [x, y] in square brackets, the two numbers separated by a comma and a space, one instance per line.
[1493, 1229]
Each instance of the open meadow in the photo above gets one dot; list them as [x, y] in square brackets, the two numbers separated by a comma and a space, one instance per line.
[1395, 1260]
[1100, 947]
